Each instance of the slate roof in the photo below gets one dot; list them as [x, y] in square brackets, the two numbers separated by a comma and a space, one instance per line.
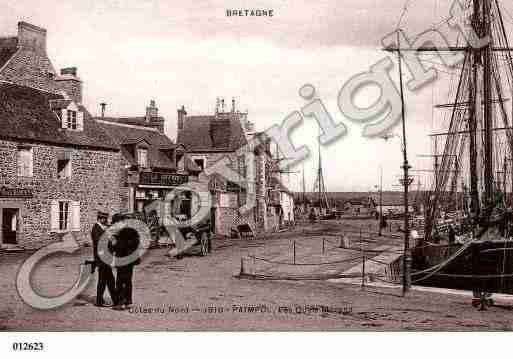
[212, 133]
[8, 47]
[127, 135]
[135, 120]
[25, 115]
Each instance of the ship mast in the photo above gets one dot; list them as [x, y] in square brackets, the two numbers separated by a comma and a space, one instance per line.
[321, 187]
[473, 109]
[488, 118]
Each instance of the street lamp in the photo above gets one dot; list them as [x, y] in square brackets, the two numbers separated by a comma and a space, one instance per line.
[406, 167]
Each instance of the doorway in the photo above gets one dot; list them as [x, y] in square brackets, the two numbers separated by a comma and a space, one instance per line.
[10, 225]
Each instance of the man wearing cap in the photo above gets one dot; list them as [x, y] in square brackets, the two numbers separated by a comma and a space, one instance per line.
[105, 276]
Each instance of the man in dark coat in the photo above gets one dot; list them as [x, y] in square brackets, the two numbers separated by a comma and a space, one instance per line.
[105, 276]
[127, 243]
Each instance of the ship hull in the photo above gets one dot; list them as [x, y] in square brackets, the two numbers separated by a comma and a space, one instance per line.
[485, 266]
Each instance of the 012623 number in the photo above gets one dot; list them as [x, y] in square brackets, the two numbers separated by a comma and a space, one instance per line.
[26, 346]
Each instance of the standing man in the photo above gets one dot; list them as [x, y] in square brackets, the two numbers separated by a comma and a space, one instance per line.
[105, 276]
[127, 245]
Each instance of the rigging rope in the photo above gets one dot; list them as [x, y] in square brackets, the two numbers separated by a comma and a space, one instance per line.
[405, 9]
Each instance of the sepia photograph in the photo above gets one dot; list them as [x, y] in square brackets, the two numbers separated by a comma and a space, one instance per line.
[255, 167]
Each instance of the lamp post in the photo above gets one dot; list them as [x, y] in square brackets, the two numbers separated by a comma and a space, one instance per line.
[406, 182]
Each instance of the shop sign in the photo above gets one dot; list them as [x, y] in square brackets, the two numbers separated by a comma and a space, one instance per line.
[163, 179]
[6, 192]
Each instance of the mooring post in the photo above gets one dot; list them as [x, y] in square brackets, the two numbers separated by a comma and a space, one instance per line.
[363, 267]
[294, 246]
[323, 245]
[242, 266]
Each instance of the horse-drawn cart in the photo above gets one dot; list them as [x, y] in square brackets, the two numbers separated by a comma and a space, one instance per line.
[182, 238]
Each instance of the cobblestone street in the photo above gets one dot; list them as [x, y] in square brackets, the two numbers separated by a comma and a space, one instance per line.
[204, 293]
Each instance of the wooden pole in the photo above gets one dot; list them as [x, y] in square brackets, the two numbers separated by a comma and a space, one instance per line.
[380, 198]
[363, 265]
[294, 246]
[242, 266]
[406, 255]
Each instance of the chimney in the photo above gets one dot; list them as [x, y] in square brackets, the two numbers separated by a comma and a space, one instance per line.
[151, 111]
[70, 83]
[181, 117]
[32, 37]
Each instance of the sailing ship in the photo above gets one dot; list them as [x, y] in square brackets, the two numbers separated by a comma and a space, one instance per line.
[323, 203]
[467, 230]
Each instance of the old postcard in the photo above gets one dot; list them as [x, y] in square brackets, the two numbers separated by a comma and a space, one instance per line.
[242, 166]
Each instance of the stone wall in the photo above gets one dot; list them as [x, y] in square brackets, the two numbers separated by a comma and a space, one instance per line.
[94, 183]
[228, 218]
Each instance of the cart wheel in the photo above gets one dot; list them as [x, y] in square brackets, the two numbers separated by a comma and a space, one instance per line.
[204, 244]
[210, 242]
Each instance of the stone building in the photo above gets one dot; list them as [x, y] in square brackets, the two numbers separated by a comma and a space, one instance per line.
[229, 134]
[152, 166]
[57, 166]
[55, 173]
[362, 206]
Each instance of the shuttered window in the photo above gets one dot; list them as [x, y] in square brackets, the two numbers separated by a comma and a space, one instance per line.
[64, 216]
[142, 157]
[25, 162]
[71, 119]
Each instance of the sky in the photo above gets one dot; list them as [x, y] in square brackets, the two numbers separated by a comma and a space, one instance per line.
[189, 53]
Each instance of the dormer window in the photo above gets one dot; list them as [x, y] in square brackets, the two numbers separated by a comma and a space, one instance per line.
[142, 157]
[70, 115]
[71, 119]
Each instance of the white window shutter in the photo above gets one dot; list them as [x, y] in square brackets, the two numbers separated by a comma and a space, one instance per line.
[54, 216]
[30, 162]
[19, 158]
[64, 118]
[80, 120]
[75, 216]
